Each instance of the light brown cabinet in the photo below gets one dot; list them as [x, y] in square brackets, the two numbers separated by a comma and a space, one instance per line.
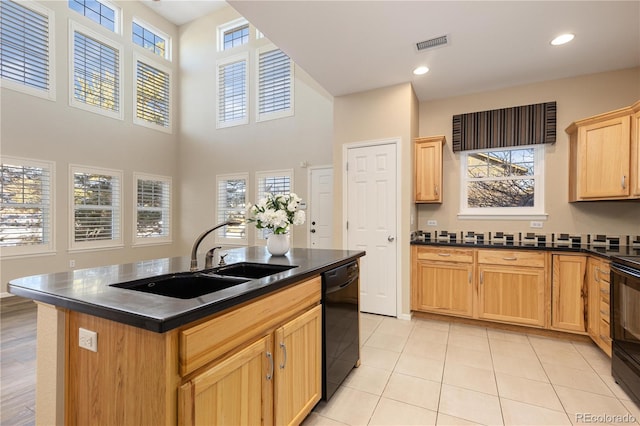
[443, 280]
[635, 148]
[598, 315]
[428, 169]
[568, 294]
[603, 156]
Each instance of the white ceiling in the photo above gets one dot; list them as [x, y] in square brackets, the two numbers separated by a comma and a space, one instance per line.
[353, 46]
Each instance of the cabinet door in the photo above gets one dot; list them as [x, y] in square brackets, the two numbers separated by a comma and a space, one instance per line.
[593, 300]
[511, 294]
[604, 159]
[235, 391]
[568, 293]
[298, 357]
[428, 170]
[444, 288]
[635, 152]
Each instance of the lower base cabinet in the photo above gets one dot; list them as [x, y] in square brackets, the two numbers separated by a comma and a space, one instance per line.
[598, 315]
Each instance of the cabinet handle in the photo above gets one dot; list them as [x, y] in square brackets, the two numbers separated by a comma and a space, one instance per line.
[624, 182]
[469, 277]
[595, 274]
[509, 258]
[444, 254]
[436, 188]
[270, 374]
[284, 351]
[481, 277]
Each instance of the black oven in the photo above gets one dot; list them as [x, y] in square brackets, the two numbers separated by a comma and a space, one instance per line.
[625, 324]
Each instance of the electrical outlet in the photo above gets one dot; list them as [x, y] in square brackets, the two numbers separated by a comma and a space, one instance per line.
[88, 339]
[432, 223]
[535, 224]
[72, 263]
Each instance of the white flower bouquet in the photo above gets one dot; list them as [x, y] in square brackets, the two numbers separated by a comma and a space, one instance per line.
[277, 212]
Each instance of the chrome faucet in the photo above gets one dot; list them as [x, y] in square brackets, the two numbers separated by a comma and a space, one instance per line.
[196, 244]
[208, 259]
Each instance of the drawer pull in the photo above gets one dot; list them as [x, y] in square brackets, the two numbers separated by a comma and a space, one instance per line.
[624, 182]
[606, 315]
[436, 190]
[270, 373]
[509, 258]
[595, 274]
[481, 277]
[469, 277]
[444, 254]
[284, 352]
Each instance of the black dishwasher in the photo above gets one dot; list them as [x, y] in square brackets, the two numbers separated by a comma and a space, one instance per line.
[340, 326]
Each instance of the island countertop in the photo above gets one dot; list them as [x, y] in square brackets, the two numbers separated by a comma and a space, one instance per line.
[90, 291]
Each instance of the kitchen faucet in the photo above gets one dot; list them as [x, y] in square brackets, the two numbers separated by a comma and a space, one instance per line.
[196, 244]
[208, 259]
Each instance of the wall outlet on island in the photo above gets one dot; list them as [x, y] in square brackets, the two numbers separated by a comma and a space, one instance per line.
[432, 222]
[88, 339]
[535, 224]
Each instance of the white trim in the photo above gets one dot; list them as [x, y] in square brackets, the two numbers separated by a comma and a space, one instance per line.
[50, 93]
[223, 28]
[73, 28]
[225, 61]
[400, 238]
[240, 242]
[146, 241]
[168, 48]
[289, 112]
[154, 64]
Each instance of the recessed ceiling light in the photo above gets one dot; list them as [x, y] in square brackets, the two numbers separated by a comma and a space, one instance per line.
[562, 39]
[421, 70]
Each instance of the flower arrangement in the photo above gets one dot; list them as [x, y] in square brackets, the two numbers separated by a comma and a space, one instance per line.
[277, 212]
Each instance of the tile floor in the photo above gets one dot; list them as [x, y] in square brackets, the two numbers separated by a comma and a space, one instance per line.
[425, 372]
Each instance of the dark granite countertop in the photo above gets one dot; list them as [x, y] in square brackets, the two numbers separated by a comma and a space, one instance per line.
[606, 252]
[89, 290]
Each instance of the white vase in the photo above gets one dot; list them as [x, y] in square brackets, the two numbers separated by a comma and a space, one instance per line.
[278, 244]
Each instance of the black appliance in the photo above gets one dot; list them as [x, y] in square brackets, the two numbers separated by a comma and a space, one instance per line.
[340, 326]
[625, 324]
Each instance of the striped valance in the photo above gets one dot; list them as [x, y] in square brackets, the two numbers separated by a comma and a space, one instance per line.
[521, 125]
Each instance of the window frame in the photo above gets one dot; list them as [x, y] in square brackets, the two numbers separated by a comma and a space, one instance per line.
[280, 113]
[117, 240]
[48, 246]
[76, 27]
[537, 212]
[221, 124]
[220, 238]
[167, 207]
[231, 26]
[262, 234]
[50, 92]
[153, 64]
[158, 33]
[117, 16]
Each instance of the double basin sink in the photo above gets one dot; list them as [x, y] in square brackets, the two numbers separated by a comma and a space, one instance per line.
[188, 285]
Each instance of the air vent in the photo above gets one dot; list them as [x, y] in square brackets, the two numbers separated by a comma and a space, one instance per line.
[434, 42]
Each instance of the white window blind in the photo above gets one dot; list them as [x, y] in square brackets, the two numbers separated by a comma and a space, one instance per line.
[232, 92]
[153, 208]
[25, 55]
[152, 95]
[232, 204]
[25, 206]
[96, 205]
[98, 11]
[276, 182]
[275, 84]
[96, 73]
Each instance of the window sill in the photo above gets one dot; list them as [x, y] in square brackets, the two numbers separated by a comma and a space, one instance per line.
[472, 216]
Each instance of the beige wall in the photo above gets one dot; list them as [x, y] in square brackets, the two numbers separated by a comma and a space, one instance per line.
[41, 129]
[576, 98]
[387, 113]
[270, 145]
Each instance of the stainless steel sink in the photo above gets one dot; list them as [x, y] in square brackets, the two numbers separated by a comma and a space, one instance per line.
[251, 270]
[186, 285]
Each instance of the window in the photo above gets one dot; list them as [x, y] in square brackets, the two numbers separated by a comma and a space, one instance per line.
[96, 207]
[503, 182]
[26, 206]
[273, 182]
[153, 209]
[96, 65]
[233, 34]
[100, 11]
[26, 48]
[232, 205]
[274, 84]
[152, 94]
[151, 39]
[233, 81]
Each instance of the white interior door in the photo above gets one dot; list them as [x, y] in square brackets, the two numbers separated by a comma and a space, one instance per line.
[371, 218]
[320, 218]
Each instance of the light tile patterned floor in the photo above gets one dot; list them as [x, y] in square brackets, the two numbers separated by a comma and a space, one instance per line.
[425, 372]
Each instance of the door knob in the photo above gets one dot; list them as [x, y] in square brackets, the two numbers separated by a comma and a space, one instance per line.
[390, 238]
[313, 231]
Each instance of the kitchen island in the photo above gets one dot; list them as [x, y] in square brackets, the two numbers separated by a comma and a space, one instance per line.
[247, 353]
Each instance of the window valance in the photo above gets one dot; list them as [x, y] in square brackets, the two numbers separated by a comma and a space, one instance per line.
[515, 126]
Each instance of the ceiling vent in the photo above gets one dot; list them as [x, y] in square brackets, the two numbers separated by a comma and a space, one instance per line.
[434, 42]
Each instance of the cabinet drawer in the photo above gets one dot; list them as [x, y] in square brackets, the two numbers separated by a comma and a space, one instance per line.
[203, 343]
[605, 312]
[512, 257]
[445, 254]
[605, 290]
[605, 331]
[603, 270]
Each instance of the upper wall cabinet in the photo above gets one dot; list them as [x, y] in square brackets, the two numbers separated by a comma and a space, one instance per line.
[428, 169]
[603, 156]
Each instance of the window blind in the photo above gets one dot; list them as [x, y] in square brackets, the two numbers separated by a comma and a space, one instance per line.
[499, 128]
[153, 201]
[274, 82]
[24, 45]
[25, 205]
[96, 207]
[232, 91]
[152, 94]
[232, 204]
[96, 75]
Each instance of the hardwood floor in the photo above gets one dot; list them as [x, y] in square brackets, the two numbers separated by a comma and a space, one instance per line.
[17, 361]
